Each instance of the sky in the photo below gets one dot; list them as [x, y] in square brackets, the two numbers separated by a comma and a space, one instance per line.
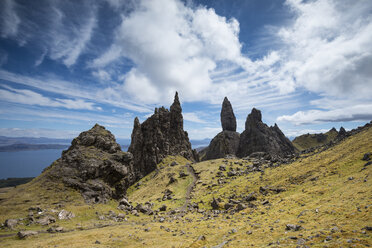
[66, 65]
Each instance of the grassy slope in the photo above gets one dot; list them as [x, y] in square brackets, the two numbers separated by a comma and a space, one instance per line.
[307, 141]
[317, 186]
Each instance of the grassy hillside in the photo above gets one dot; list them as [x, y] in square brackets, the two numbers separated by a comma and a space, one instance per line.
[307, 141]
[327, 194]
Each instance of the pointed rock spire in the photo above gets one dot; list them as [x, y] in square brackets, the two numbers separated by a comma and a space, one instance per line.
[176, 106]
[228, 119]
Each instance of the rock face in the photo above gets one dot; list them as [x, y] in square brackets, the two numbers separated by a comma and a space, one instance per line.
[258, 137]
[227, 141]
[95, 165]
[160, 135]
[228, 119]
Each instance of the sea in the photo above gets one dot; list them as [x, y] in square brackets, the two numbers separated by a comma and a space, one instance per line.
[26, 163]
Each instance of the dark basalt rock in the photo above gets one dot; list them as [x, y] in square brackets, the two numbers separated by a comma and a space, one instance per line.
[342, 132]
[95, 165]
[228, 119]
[160, 135]
[258, 137]
[225, 143]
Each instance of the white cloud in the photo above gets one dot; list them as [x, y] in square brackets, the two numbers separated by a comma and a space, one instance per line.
[362, 112]
[70, 35]
[102, 75]
[173, 47]
[29, 97]
[192, 117]
[9, 19]
[95, 94]
[327, 48]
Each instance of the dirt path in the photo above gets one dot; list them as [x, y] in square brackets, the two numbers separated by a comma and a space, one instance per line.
[189, 189]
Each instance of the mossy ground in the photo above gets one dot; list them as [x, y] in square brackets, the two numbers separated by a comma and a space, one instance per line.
[323, 191]
[307, 141]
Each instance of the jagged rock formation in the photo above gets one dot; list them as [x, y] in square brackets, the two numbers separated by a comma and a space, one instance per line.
[227, 141]
[258, 137]
[95, 165]
[160, 135]
[228, 119]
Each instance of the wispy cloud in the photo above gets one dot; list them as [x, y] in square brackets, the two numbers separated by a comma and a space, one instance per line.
[73, 90]
[193, 117]
[9, 19]
[29, 97]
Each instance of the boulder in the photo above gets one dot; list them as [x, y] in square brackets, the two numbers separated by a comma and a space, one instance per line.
[25, 234]
[160, 135]
[258, 137]
[65, 215]
[11, 223]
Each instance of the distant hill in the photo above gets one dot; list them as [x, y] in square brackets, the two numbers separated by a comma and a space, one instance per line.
[30, 147]
[307, 141]
[12, 182]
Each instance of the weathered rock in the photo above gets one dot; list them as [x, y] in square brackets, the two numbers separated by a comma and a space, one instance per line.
[160, 135]
[258, 137]
[225, 143]
[25, 234]
[46, 220]
[366, 156]
[11, 223]
[214, 204]
[228, 120]
[342, 132]
[95, 165]
[292, 227]
[65, 215]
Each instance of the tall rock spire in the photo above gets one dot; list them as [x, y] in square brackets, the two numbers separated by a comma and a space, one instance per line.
[160, 135]
[228, 119]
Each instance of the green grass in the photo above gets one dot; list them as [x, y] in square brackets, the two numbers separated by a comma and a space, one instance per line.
[307, 141]
[319, 196]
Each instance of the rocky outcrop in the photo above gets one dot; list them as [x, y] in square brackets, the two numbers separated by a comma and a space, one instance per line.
[258, 137]
[227, 141]
[228, 119]
[160, 135]
[95, 165]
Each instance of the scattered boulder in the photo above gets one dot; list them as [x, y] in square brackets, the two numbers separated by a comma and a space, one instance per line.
[65, 215]
[215, 204]
[11, 223]
[46, 220]
[25, 234]
[292, 227]
[366, 156]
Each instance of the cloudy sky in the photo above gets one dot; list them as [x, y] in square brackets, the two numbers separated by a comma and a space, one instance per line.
[65, 65]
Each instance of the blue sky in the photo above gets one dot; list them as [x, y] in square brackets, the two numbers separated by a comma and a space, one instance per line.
[66, 65]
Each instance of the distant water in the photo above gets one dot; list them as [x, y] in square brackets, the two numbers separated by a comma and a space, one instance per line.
[26, 163]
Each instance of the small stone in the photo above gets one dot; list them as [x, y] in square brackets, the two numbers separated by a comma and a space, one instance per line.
[174, 163]
[201, 237]
[292, 227]
[11, 223]
[233, 231]
[97, 242]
